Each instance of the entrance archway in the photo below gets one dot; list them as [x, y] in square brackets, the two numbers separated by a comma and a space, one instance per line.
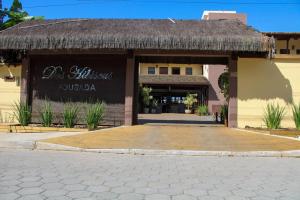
[187, 58]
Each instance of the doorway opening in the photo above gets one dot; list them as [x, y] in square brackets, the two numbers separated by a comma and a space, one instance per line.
[169, 81]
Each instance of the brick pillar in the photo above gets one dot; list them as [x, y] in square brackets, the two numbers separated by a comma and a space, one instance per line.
[129, 89]
[232, 107]
[25, 79]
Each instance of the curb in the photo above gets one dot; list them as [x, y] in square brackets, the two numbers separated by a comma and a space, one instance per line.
[267, 134]
[18, 145]
[57, 147]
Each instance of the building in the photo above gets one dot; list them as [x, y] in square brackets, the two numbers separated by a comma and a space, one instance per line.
[171, 83]
[262, 81]
[212, 72]
[82, 59]
[220, 14]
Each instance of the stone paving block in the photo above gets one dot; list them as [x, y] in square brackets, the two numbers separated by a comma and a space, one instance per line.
[52, 186]
[30, 179]
[8, 189]
[157, 197]
[79, 194]
[122, 190]
[97, 189]
[30, 191]
[59, 198]
[113, 183]
[9, 183]
[74, 187]
[105, 196]
[130, 196]
[32, 197]
[196, 192]
[30, 184]
[71, 176]
[9, 196]
[54, 193]
[184, 197]
[70, 181]
[146, 190]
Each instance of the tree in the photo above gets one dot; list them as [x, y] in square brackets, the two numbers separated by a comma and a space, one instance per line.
[15, 15]
[223, 83]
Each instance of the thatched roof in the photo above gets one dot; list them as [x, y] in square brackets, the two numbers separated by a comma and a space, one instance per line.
[215, 35]
[173, 80]
[283, 35]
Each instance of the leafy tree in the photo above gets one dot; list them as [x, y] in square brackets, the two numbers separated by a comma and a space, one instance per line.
[15, 15]
[223, 83]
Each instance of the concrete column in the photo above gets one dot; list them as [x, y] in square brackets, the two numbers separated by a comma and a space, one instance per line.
[129, 89]
[232, 107]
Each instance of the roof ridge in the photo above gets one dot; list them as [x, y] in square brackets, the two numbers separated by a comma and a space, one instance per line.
[53, 23]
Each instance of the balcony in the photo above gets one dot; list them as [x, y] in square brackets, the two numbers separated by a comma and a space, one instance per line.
[173, 79]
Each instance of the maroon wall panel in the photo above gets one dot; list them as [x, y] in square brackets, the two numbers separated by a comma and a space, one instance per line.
[80, 79]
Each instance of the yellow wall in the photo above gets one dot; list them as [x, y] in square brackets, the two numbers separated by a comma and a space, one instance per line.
[261, 81]
[197, 68]
[9, 92]
[281, 44]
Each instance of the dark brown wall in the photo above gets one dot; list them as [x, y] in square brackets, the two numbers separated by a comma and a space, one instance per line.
[64, 87]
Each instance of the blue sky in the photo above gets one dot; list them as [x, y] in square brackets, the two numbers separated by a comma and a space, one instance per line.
[264, 15]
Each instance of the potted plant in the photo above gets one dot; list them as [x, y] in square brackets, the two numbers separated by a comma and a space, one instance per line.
[189, 102]
[154, 106]
[146, 98]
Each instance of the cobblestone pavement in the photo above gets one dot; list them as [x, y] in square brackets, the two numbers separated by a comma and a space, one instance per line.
[51, 175]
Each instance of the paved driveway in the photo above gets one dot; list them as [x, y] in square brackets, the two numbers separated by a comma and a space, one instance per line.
[177, 137]
[39, 175]
[175, 119]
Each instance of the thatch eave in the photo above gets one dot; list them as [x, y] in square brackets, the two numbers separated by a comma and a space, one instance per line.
[160, 35]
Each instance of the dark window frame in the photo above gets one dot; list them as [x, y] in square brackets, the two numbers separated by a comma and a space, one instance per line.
[186, 71]
[162, 70]
[150, 70]
[285, 51]
[177, 70]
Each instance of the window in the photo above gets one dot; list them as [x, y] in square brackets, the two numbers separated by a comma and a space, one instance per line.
[151, 70]
[188, 71]
[298, 51]
[284, 51]
[176, 70]
[163, 70]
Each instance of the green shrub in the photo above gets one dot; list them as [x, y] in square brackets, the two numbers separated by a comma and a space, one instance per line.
[70, 115]
[146, 95]
[273, 116]
[224, 112]
[202, 110]
[22, 112]
[47, 114]
[296, 115]
[94, 115]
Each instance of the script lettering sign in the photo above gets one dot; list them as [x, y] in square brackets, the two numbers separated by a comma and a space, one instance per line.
[75, 73]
